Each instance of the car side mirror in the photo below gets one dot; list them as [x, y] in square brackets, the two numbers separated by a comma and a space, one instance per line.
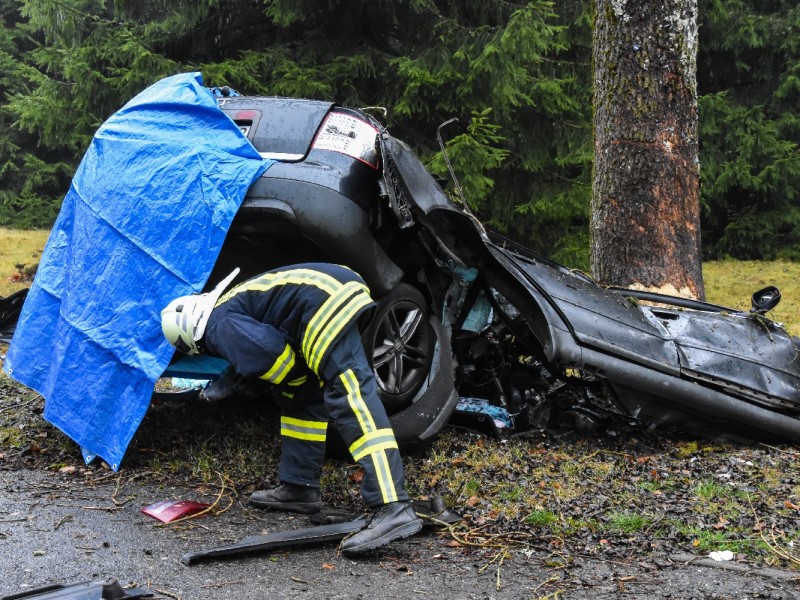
[765, 299]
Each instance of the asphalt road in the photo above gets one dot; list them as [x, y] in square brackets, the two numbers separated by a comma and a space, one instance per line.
[58, 528]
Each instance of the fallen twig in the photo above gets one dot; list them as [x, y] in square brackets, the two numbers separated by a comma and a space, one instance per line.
[775, 547]
[548, 581]
[463, 538]
[102, 477]
[222, 584]
[504, 553]
[61, 521]
[496, 556]
[596, 452]
[790, 452]
[28, 403]
[501, 555]
[649, 528]
[116, 491]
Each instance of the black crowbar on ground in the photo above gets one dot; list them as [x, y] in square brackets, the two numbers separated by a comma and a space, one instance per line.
[334, 527]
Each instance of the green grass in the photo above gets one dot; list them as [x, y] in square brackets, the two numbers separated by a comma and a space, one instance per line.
[710, 490]
[732, 283]
[704, 540]
[541, 518]
[626, 522]
[19, 247]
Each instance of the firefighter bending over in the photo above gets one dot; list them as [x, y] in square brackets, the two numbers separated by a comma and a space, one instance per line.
[295, 327]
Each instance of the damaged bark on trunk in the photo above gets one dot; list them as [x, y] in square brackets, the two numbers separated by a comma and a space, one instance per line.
[645, 198]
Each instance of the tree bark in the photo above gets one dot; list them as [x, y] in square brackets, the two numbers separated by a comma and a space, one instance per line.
[645, 196]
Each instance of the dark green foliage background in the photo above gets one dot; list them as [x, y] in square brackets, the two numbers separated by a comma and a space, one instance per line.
[517, 75]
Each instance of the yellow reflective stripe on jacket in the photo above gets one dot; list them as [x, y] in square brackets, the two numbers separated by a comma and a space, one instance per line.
[325, 282]
[329, 307]
[380, 439]
[311, 431]
[321, 339]
[336, 326]
[282, 366]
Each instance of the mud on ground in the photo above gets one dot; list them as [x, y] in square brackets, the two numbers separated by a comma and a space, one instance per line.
[623, 514]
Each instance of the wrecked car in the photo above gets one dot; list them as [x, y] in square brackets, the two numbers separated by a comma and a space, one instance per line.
[468, 318]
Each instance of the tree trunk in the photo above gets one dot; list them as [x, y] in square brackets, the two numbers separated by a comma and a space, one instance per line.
[645, 196]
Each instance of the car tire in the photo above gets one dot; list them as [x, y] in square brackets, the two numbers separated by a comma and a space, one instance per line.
[399, 343]
[416, 426]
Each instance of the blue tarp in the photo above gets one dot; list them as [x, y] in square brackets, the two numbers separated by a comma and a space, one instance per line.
[142, 223]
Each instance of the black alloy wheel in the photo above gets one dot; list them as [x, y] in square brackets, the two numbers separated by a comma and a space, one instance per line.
[399, 345]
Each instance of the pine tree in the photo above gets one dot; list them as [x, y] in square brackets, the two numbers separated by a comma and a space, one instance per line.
[749, 80]
[517, 74]
[503, 68]
[30, 176]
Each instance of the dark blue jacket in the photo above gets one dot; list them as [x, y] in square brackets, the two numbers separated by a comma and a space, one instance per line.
[261, 325]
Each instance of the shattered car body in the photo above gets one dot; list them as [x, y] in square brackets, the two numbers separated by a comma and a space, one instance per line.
[465, 314]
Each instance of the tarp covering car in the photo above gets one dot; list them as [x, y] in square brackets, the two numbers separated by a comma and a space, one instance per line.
[142, 223]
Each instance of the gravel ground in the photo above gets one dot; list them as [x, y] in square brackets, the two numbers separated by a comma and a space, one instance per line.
[545, 516]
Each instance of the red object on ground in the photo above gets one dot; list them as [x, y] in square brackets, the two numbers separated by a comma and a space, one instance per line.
[170, 510]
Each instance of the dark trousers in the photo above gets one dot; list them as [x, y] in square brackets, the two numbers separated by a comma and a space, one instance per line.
[349, 398]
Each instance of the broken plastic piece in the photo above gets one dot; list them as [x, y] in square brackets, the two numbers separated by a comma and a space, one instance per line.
[109, 589]
[320, 534]
[167, 511]
[499, 415]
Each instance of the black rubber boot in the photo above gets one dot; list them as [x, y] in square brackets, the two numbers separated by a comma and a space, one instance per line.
[393, 521]
[288, 497]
